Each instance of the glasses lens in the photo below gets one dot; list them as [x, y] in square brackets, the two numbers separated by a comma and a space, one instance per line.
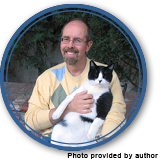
[65, 40]
[77, 41]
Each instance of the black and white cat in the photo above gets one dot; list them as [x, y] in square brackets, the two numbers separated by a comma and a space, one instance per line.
[80, 128]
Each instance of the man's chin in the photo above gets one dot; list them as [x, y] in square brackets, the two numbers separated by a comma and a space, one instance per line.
[70, 61]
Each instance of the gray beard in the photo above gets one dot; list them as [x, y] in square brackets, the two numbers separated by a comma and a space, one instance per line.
[70, 61]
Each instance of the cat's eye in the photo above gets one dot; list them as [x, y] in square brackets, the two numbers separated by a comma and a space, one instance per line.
[96, 74]
[105, 74]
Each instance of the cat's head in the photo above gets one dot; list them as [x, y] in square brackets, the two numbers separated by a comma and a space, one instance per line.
[100, 75]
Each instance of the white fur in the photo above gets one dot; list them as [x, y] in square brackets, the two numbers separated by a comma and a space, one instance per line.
[93, 128]
[76, 130]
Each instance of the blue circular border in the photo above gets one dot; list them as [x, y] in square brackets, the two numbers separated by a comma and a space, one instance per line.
[80, 6]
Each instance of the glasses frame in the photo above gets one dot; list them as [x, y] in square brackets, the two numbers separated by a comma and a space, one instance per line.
[74, 41]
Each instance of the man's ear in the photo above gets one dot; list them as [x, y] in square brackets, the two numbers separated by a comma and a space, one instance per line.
[89, 44]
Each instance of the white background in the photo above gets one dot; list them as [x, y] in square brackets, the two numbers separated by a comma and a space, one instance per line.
[143, 135]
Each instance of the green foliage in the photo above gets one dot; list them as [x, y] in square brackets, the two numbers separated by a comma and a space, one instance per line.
[110, 45]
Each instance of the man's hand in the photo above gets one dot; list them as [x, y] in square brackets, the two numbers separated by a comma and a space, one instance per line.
[81, 103]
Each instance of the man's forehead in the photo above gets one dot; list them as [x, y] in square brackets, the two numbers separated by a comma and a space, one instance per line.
[78, 22]
[77, 25]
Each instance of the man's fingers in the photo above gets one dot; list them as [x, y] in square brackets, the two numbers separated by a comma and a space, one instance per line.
[88, 102]
[82, 102]
[84, 96]
[82, 93]
[86, 111]
[87, 96]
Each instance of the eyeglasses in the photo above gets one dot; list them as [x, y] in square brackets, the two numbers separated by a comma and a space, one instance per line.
[76, 41]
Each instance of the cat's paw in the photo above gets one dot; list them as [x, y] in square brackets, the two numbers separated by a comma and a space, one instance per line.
[56, 115]
[91, 135]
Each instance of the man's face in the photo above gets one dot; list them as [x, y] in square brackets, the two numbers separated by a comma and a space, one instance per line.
[73, 53]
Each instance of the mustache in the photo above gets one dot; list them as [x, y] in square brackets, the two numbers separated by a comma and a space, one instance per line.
[71, 50]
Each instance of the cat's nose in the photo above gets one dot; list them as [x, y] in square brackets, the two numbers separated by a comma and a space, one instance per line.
[100, 81]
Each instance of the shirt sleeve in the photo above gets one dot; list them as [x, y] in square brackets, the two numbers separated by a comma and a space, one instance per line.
[37, 115]
[118, 109]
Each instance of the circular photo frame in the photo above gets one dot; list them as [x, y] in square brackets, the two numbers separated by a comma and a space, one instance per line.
[90, 10]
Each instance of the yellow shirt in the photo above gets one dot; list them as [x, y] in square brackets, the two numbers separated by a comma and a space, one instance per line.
[54, 85]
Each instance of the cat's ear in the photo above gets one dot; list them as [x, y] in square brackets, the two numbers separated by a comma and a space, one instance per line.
[110, 67]
[92, 64]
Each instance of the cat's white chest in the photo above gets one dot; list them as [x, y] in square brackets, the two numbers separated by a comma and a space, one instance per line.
[96, 91]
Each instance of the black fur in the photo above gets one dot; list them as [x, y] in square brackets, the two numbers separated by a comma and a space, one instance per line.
[94, 71]
[85, 119]
[104, 104]
[63, 123]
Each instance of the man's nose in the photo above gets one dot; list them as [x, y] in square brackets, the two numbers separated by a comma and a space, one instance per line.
[71, 44]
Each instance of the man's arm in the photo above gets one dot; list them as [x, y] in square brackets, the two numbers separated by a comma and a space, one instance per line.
[37, 115]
